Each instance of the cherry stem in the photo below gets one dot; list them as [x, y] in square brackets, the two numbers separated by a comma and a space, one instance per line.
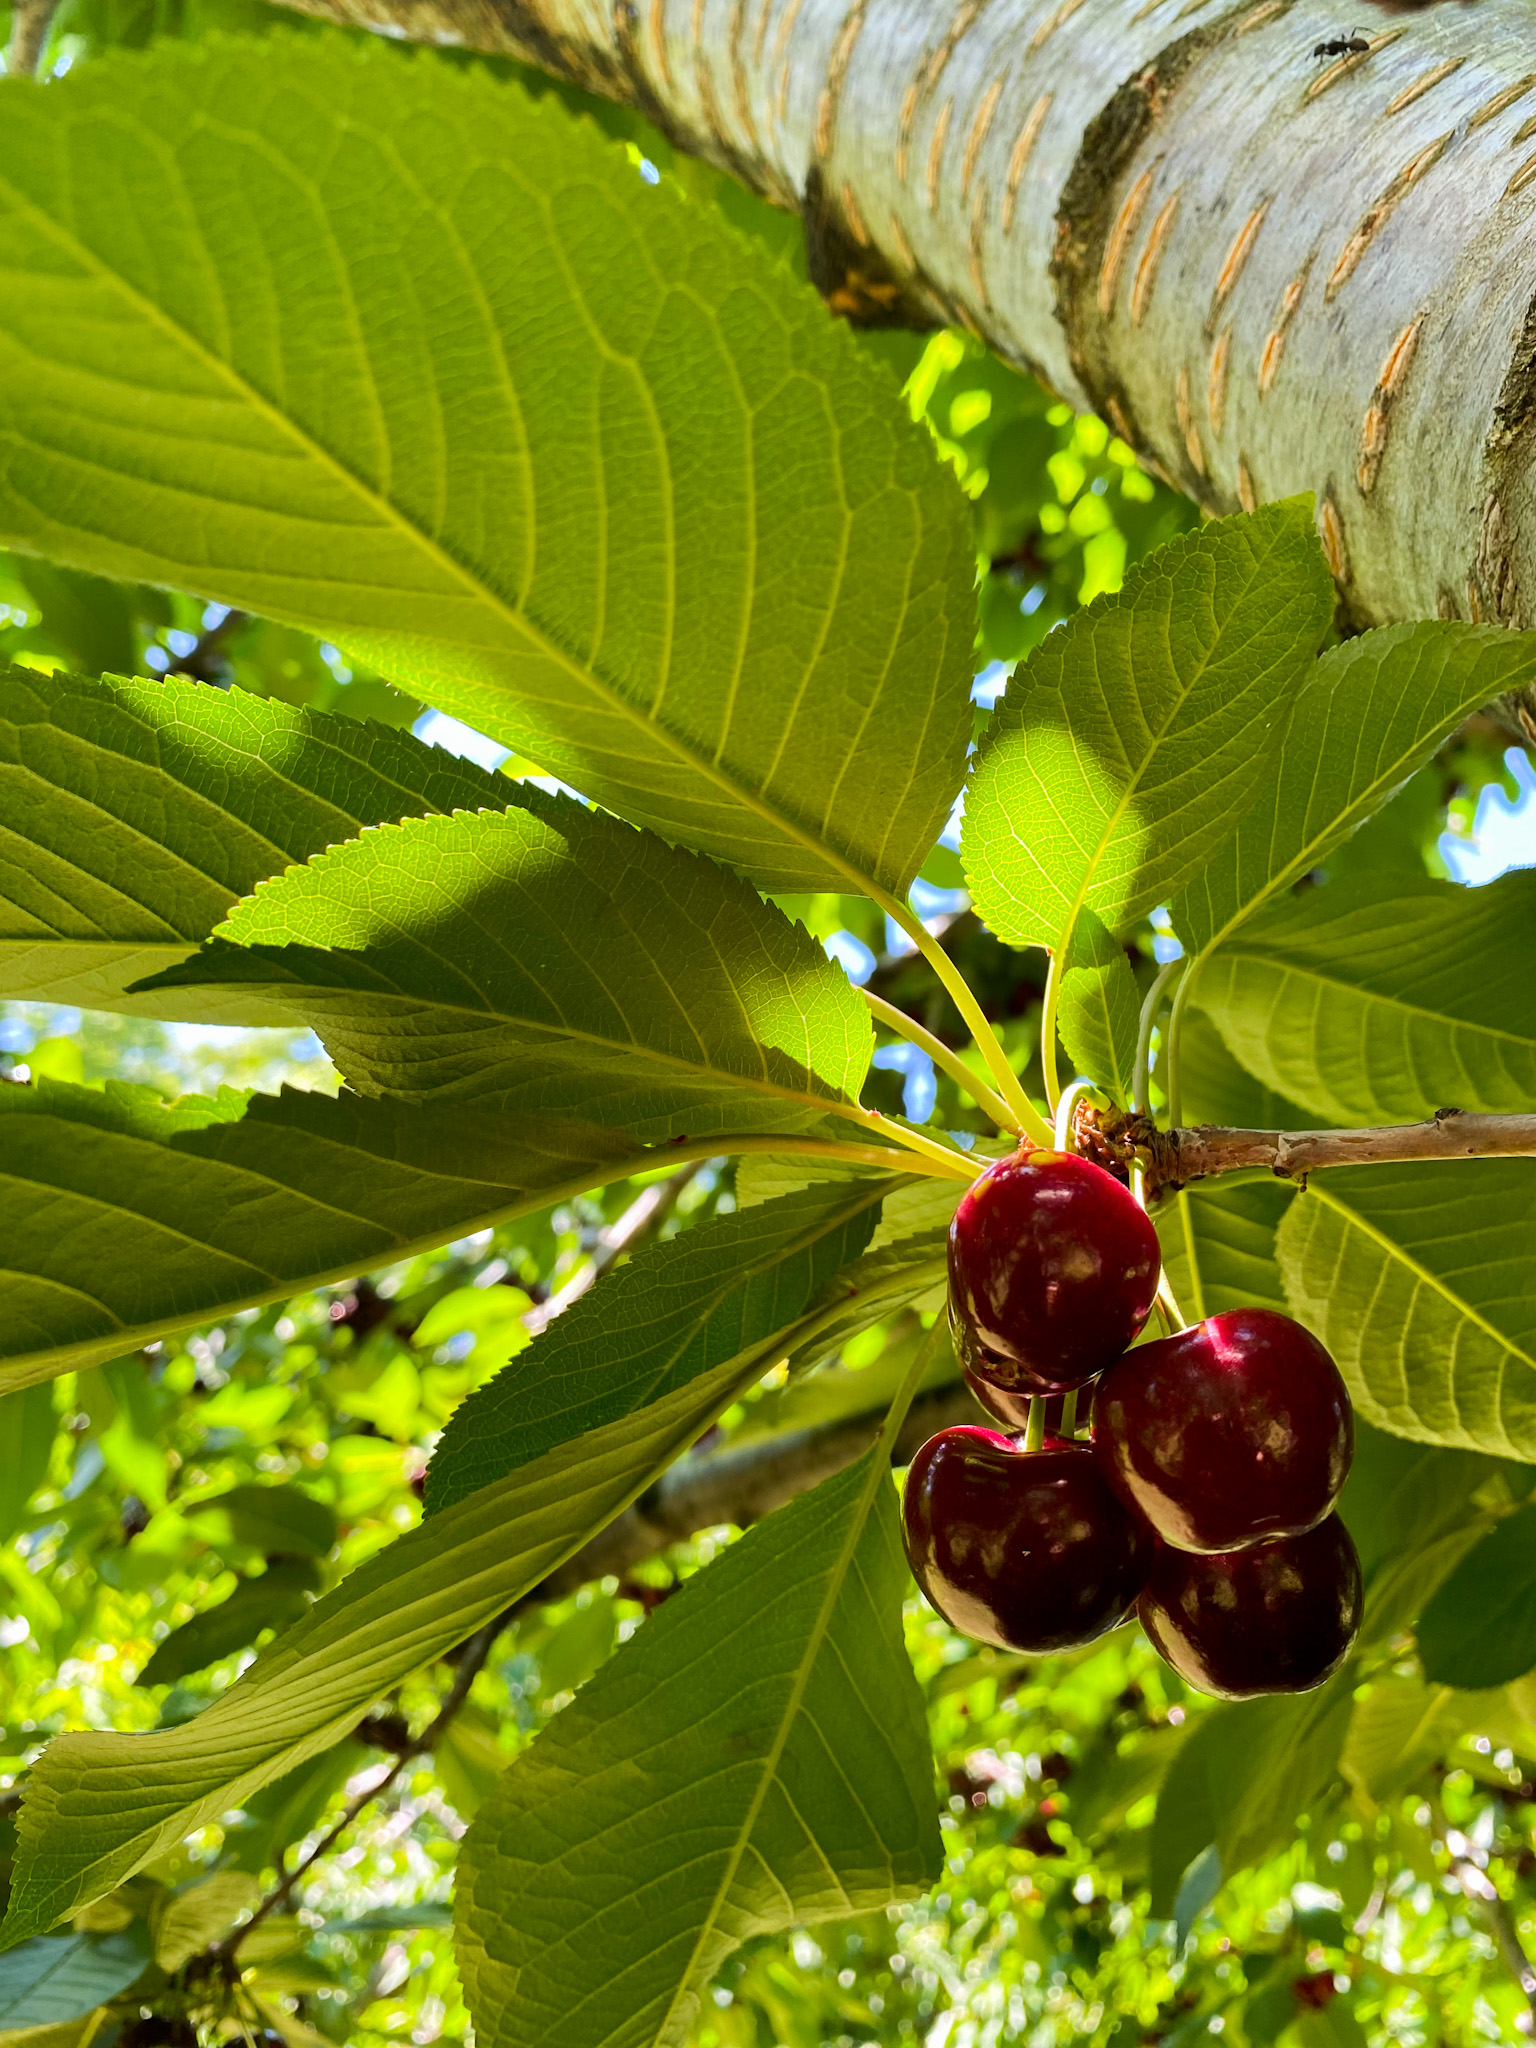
[1069, 1415]
[1168, 1302]
[942, 1056]
[1034, 1435]
[1141, 1074]
[1071, 1096]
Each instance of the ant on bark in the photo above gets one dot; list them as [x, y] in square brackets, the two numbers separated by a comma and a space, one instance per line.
[1352, 45]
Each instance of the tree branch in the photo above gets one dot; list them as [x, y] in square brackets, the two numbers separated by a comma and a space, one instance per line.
[642, 1219]
[471, 1662]
[30, 21]
[1172, 1159]
[1268, 276]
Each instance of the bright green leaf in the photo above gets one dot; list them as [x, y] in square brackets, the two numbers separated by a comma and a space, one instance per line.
[755, 1759]
[675, 1311]
[551, 958]
[423, 364]
[27, 1426]
[1380, 1000]
[1100, 1007]
[1421, 1280]
[125, 1219]
[134, 814]
[1403, 1725]
[1135, 737]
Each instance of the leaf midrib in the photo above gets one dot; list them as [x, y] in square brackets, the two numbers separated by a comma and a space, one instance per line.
[878, 1470]
[1399, 1255]
[523, 623]
[1279, 963]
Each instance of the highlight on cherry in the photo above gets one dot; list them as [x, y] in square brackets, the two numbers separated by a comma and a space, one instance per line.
[1188, 1478]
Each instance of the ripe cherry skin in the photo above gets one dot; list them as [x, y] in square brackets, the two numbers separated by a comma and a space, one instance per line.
[1054, 1267]
[1229, 1433]
[1025, 1549]
[1276, 1617]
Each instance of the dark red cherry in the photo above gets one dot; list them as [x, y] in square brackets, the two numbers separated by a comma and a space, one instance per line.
[1054, 1266]
[1010, 1410]
[1276, 1617]
[1025, 1549]
[1228, 1433]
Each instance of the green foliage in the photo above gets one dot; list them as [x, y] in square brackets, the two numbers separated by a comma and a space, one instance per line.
[732, 1286]
[548, 958]
[125, 1219]
[134, 815]
[742, 570]
[768, 1723]
[1384, 998]
[1421, 1280]
[1137, 737]
[419, 356]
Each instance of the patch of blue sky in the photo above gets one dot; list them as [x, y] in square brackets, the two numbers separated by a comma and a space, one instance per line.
[1503, 834]
[919, 1088]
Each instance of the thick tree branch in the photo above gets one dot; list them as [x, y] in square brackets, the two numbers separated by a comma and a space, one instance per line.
[1270, 275]
[30, 21]
[1172, 1159]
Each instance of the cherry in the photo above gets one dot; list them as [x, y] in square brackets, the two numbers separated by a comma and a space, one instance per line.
[1025, 1549]
[1054, 1267]
[1276, 1617]
[1011, 1410]
[1228, 1433]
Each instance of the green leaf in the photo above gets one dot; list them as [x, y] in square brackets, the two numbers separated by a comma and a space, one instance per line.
[279, 1596]
[1421, 1280]
[1243, 1775]
[673, 1312]
[1137, 734]
[1479, 1630]
[44, 1983]
[100, 1806]
[551, 958]
[279, 1521]
[200, 1913]
[1100, 1008]
[754, 1759]
[1380, 1000]
[1402, 1726]
[124, 1219]
[681, 542]
[27, 1428]
[134, 814]
[1372, 711]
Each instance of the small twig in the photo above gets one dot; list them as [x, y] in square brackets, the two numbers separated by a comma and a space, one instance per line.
[207, 663]
[642, 1219]
[1172, 1159]
[30, 20]
[471, 1662]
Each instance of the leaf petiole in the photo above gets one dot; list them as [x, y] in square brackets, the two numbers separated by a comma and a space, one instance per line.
[942, 1056]
[1141, 1077]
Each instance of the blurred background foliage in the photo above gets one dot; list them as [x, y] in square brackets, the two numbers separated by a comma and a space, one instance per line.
[163, 1514]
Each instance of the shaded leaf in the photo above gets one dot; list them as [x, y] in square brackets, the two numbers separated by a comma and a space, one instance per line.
[63, 1977]
[685, 547]
[1136, 735]
[279, 1521]
[1421, 1280]
[134, 814]
[27, 1428]
[200, 1913]
[550, 958]
[279, 1596]
[1479, 1630]
[125, 1219]
[1402, 1726]
[676, 1310]
[1379, 999]
[755, 1758]
[1372, 711]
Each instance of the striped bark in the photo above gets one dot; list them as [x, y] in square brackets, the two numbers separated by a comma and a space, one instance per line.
[1270, 272]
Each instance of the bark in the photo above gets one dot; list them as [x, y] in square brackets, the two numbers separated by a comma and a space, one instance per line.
[1270, 272]
[1172, 1159]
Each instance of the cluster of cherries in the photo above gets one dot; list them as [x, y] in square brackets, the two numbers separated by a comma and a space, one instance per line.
[1204, 1498]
